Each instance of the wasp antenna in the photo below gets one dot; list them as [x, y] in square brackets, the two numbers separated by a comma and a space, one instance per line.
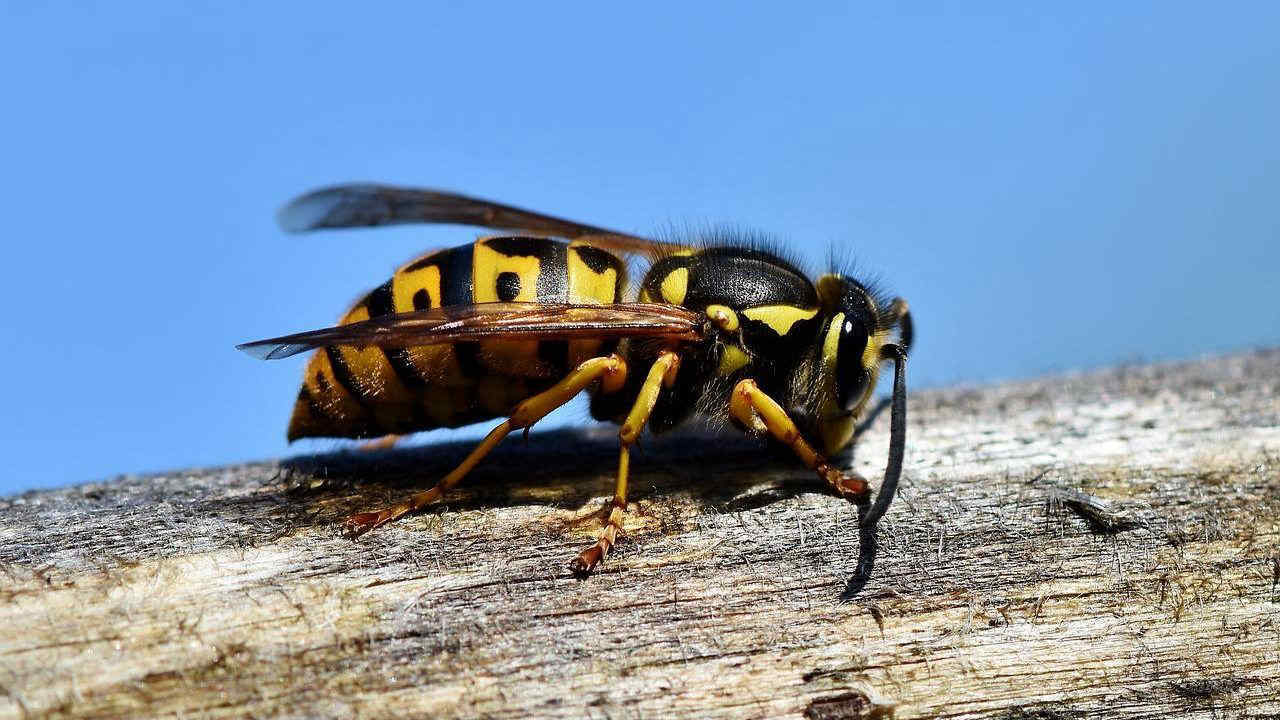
[867, 539]
[897, 436]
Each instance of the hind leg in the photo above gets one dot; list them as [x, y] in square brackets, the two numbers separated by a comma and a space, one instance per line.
[611, 371]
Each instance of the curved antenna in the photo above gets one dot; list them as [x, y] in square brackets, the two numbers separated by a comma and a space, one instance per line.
[897, 436]
[893, 471]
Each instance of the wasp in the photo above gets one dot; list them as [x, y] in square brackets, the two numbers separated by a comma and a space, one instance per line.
[515, 325]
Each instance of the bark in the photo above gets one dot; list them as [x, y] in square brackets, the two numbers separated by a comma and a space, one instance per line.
[1099, 545]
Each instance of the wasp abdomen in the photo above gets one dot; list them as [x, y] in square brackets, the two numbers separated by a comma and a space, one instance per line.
[372, 391]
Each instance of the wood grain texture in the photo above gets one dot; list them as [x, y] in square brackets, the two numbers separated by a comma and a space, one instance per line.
[1101, 545]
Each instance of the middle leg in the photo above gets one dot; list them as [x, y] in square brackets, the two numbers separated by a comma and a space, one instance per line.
[661, 374]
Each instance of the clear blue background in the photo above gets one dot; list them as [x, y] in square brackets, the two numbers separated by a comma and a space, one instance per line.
[1052, 187]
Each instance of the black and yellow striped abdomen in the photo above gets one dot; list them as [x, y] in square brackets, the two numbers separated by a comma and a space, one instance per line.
[369, 392]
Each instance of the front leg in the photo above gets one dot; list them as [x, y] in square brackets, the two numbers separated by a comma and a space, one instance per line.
[752, 407]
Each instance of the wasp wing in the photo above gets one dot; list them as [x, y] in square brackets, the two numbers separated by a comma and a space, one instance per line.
[367, 205]
[494, 321]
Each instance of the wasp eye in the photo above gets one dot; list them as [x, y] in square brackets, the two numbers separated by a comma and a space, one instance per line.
[851, 375]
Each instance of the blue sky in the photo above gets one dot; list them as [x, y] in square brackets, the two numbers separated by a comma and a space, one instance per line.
[1051, 187]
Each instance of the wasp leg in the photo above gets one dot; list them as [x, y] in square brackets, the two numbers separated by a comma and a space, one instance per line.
[752, 407]
[611, 371]
[386, 442]
[661, 374]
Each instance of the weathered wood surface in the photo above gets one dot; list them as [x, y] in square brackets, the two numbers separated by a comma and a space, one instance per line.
[998, 592]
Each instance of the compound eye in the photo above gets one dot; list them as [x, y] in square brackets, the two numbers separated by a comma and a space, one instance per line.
[851, 376]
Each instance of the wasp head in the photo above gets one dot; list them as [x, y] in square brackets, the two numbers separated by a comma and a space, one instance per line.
[848, 355]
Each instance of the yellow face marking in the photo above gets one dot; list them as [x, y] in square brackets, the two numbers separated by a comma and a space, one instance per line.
[675, 285]
[835, 427]
[732, 360]
[836, 431]
[779, 317]
[405, 286]
[830, 344]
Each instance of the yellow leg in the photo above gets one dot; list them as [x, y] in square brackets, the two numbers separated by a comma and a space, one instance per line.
[386, 442]
[612, 373]
[753, 408]
[662, 374]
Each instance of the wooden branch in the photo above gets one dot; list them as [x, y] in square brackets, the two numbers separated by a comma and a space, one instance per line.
[1103, 545]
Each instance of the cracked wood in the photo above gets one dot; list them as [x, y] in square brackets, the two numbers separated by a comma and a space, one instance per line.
[1096, 545]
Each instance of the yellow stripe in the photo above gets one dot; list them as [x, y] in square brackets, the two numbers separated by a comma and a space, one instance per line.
[388, 397]
[404, 285]
[518, 359]
[336, 401]
[779, 317]
[436, 363]
[587, 286]
[488, 264]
